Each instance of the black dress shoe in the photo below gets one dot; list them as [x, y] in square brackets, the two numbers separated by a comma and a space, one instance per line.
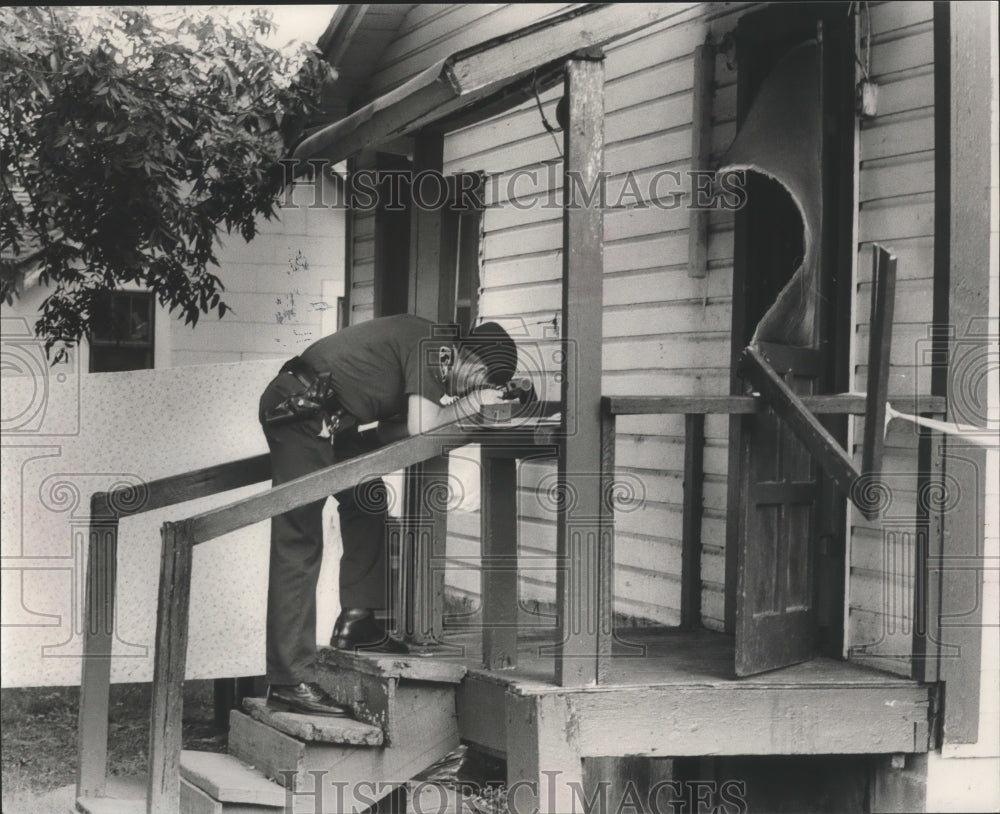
[310, 699]
[358, 629]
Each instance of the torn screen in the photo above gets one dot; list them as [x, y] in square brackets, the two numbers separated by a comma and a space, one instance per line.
[781, 139]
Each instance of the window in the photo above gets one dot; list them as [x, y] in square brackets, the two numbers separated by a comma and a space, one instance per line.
[122, 336]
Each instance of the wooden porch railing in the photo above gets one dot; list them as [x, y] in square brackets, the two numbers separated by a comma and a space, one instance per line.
[106, 511]
[694, 410]
[180, 537]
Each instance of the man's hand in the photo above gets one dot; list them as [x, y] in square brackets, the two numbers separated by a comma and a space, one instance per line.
[423, 414]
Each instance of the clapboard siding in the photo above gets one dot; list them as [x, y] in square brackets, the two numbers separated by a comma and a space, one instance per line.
[432, 31]
[665, 331]
[362, 293]
[896, 209]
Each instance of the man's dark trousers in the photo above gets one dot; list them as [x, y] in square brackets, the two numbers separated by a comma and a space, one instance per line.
[297, 538]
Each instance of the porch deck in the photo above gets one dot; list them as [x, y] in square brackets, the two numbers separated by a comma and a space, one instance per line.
[673, 692]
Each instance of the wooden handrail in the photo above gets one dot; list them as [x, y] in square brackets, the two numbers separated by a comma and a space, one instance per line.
[178, 541]
[837, 404]
[106, 510]
[318, 485]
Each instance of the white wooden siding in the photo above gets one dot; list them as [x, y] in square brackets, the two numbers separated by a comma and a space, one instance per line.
[665, 332]
[896, 210]
[274, 285]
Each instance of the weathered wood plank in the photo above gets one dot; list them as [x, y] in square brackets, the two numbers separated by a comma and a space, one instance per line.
[482, 715]
[190, 485]
[879, 347]
[968, 241]
[318, 485]
[169, 661]
[229, 780]
[694, 445]
[651, 721]
[276, 755]
[841, 404]
[195, 801]
[543, 759]
[579, 539]
[499, 559]
[837, 464]
[318, 728]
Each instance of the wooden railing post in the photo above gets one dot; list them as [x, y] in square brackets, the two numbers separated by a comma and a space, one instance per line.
[98, 633]
[578, 534]
[168, 669]
[498, 573]
[694, 449]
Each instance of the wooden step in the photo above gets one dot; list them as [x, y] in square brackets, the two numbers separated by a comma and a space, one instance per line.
[196, 801]
[368, 682]
[428, 665]
[319, 728]
[352, 776]
[125, 795]
[110, 805]
[227, 779]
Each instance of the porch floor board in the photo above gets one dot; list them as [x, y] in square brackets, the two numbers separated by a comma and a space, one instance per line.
[653, 657]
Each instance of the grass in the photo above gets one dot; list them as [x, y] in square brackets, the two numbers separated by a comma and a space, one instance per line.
[38, 731]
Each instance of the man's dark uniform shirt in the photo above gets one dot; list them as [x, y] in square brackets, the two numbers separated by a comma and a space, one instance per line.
[373, 368]
[375, 365]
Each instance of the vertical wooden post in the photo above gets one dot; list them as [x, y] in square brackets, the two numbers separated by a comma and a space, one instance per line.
[426, 520]
[168, 669]
[499, 568]
[579, 582]
[98, 634]
[544, 767]
[962, 30]
[425, 231]
[694, 451]
[426, 528]
[927, 583]
[606, 548]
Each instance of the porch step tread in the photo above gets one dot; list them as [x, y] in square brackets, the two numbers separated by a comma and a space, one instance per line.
[413, 667]
[315, 728]
[123, 795]
[229, 780]
[110, 805]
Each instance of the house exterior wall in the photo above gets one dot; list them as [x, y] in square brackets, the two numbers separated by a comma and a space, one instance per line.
[896, 210]
[68, 433]
[282, 288]
[668, 333]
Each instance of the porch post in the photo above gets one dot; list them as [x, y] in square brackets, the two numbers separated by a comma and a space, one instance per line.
[583, 551]
[963, 268]
[424, 516]
[169, 662]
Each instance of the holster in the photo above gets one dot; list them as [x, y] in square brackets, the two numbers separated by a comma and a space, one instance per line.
[316, 399]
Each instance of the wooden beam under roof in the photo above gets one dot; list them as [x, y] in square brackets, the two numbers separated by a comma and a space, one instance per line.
[471, 75]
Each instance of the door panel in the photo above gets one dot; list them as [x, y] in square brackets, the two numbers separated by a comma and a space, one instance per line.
[775, 614]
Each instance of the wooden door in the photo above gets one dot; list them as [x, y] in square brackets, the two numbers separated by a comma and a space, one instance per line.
[775, 611]
[781, 507]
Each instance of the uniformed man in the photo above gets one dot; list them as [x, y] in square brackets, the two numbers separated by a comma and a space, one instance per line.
[392, 370]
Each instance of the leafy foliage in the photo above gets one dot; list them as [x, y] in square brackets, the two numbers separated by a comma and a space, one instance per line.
[129, 138]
